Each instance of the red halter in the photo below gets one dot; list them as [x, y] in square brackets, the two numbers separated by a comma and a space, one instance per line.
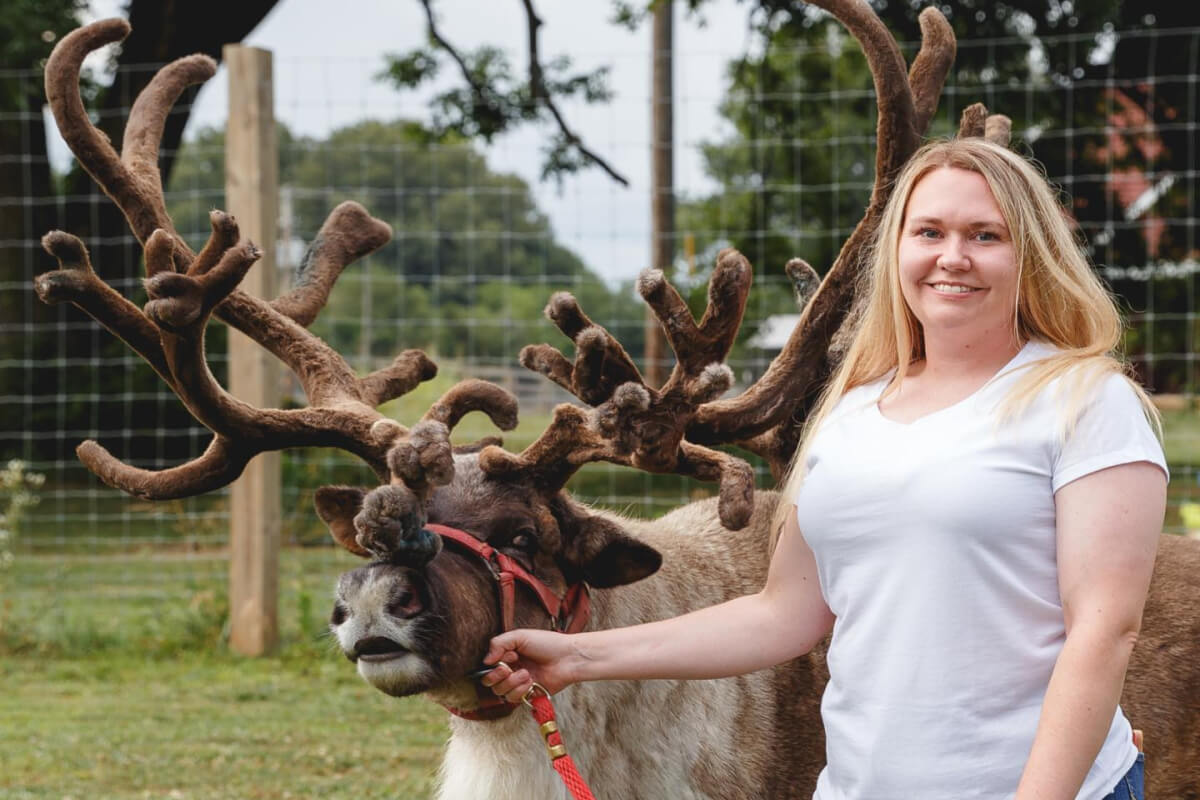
[568, 613]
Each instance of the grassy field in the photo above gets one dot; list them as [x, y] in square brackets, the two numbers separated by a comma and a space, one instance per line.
[117, 684]
[208, 726]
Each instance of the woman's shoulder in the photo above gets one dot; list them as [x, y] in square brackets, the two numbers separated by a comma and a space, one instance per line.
[1067, 384]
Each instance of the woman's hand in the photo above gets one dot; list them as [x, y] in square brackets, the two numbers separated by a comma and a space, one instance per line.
[783, 621]
[528, 656]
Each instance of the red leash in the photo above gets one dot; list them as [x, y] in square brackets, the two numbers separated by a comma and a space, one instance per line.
[538, 700]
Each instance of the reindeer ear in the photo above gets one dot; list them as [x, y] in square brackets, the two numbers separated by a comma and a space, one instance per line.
[600, 552]
[337, 507]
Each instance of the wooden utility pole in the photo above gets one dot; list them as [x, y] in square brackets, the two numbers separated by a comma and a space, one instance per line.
[252, 196]
[662, 176]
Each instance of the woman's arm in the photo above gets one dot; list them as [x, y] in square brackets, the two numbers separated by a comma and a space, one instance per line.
[785, 620]
[1108, 524]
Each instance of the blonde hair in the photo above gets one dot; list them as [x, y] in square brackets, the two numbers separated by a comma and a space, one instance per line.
[1060, 300]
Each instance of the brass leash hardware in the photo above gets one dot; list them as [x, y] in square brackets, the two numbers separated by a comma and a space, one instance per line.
[549, 727]
[527, 699]
[556, 751]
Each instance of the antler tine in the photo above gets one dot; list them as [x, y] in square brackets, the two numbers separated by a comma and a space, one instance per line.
[998, 129]
[601, 363]
[132, 183]
[976, 122]
[76, 282]
[735, 497]
[349, 233]
[425, 459]
[973, 122]
[221, 464]
[140, 144]
[805, 280]
[896, 133]
[698, 345]
[475, 395]
[929, 69]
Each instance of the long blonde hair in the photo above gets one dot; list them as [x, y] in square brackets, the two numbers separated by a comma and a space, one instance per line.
[1060, 300]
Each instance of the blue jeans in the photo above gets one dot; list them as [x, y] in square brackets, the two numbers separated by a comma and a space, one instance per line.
[1133, 785]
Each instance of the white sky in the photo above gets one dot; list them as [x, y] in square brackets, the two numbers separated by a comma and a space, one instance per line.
[326, 55]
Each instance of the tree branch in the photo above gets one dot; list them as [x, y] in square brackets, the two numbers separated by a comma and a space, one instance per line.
[537, 85]
[539, 92]
[479, 89]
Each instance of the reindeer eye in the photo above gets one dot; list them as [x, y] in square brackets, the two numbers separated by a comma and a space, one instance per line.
[524, 540]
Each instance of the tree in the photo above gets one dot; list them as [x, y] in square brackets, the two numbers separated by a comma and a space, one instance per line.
[472, 259]
[494, 99]
[798, 166]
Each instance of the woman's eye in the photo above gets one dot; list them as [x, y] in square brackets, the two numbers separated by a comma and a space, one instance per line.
[986, 236]
[927, 233]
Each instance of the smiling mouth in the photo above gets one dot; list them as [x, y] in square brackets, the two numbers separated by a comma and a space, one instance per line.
[954, 288]
[379, 649]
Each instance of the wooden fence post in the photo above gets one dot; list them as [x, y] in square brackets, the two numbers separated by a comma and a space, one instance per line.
[252, 196]
[662, 178]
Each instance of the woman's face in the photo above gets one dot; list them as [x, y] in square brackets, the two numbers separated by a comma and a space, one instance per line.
[958, 270]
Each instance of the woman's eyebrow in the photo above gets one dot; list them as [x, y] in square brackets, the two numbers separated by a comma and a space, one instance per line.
[982, 223]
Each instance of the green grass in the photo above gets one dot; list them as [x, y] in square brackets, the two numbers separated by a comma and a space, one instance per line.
[209, 726]
[117, 684]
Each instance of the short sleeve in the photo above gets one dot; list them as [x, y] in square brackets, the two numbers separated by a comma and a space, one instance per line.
[1111, 430]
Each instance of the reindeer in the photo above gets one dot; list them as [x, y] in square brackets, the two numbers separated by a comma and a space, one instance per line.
[451, 531]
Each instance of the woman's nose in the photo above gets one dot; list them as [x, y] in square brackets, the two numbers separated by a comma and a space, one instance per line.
[953, 255]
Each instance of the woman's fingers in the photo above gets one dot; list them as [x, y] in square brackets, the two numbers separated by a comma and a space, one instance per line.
[506, 683]
[503, 648]
[498, 674]
[519, 683]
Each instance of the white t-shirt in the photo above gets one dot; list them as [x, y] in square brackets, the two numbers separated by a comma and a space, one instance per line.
[935, 547]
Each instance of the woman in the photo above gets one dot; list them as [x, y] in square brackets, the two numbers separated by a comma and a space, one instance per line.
[973, 511]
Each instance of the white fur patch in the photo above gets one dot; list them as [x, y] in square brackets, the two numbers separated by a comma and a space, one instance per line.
[367, 618]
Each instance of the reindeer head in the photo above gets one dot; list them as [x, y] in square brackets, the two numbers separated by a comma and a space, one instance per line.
[418, 616]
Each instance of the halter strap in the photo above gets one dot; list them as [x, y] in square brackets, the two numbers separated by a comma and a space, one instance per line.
[568, 613]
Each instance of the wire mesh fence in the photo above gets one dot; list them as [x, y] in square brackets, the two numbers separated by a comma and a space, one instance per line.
[477, 251]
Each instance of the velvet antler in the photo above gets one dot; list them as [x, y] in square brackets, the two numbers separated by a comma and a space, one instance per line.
[632, 423]
[186, 289]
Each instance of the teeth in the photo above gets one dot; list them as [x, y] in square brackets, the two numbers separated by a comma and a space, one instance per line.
[949, 287]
